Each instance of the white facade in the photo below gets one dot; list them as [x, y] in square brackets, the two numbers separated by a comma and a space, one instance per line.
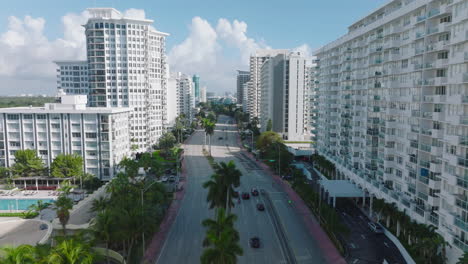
[203, 94]
[242, 77]
[172, 97]
[185, 93]
[392, 111]
[254, 90]
[127, 68]
[283, 100]
[72, 77]
[100, 135]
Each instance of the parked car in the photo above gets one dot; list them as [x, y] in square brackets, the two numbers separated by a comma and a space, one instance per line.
[255, 242]
[376, 228]
[260, 207]
[172, 178]
[164, 178]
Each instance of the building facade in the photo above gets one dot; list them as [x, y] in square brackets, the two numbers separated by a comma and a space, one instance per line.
[127, 68]
[254, 92]
[196, 88]
[392, 111]
[203, 94]
[242, 78]
[72, 77]
[100, 135]
[283, 100]
[183, 84]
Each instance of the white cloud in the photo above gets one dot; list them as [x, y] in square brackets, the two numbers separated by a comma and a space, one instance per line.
[306, 51]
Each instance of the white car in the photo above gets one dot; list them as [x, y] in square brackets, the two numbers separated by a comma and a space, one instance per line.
[164, 178]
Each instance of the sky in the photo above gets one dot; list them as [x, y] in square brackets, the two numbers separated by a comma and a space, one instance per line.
[211, 38]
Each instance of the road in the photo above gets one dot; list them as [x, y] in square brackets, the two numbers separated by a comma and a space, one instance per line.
[184, 241]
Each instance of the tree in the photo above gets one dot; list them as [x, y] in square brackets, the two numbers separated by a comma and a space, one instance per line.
[267, 139]
[269, 125]
[209, 129]
[27, 164]
[100, 204]
[130, 166]
[72, 250]
[67, 165]
[103, 228]
[222, 222]
[166, 142]
[4, 173]
[39, 206]
[63, 205]
[463, 259]
[23, 254]
[231, 178]
[224, 249]
[216, 194]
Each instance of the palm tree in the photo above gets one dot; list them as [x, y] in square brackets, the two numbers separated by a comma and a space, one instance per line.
[224, 249]
[216, 191]
[231, 178]
[103, 228]
[23, 254]
[222, 222]
[72, 250]
[99, 205]
[209, 129]
[39, 206]
[63, 205]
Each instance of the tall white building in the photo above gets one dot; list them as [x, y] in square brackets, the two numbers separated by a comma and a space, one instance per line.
[127, 68]
[100, 135]
[172, 104]
[242, 77]
[392, 111]
[283, 90]
[183, 85]
[72, 77]
[254, 88]
[203, 94]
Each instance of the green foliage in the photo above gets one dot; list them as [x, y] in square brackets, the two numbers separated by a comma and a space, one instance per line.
[222, 240]
[26, 215]
[130, 166]
[8, 101]
[4, 173]
[67, 165]
[269, 125]
[27, 164]
[166, 142]
[463, 259]
[267, 139]
[221, 185]
[63, 205]
[91, 183]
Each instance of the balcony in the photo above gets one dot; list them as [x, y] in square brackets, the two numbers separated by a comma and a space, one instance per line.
[459, 222]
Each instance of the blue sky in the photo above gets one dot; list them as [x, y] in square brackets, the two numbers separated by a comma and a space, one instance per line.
[274, 23]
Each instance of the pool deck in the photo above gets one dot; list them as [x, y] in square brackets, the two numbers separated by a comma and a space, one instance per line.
[14, 231]
[37, 195]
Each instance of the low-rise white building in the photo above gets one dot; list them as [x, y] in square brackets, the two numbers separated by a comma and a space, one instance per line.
[100, 135]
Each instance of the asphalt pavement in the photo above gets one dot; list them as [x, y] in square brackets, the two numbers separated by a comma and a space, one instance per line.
[184, 242]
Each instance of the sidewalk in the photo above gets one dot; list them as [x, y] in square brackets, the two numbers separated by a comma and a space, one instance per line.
[154, 248]
[329, 250]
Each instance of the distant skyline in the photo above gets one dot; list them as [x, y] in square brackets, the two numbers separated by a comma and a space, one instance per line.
[210, 38]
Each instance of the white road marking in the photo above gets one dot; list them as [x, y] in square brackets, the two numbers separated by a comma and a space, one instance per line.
[385, 243]
[363, 236]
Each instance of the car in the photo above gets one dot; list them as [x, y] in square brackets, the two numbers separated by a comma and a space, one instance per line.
[235, 194]
[164, 178]
[255, 242]
[172, 178]
[245, 195]
[376, 228]
[260, 207]
[220, 138]
[254, 192]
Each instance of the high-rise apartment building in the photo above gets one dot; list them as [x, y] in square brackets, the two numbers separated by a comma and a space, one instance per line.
[392, 111]
[283, 101]
[254, 88]
[72, 77]
[203, 94]
[183, 84]
[98, 134]
[242, 77]
[196, 87]
[127, 68]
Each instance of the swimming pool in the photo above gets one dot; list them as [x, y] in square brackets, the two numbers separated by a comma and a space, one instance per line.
[20, 204]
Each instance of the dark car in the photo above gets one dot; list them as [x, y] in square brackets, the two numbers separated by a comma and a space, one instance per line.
[245, 195]
[254, 192]
[260, 207]
[235, 194]
[220, 138]
[255, 242]
[172, 178]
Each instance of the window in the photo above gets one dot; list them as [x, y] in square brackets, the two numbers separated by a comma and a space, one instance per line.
[91, 135]
[441, 73]
[41, 116]
[15, 144]
[27, 116]
[446, 19]
[43, 152]
[76, 135]
[12, 117]
[442, 55]
[440, 90]
[437, 108]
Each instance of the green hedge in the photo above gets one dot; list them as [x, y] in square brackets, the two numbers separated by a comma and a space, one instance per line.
[26, 215]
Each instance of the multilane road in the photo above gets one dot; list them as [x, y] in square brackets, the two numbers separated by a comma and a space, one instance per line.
[184, 241]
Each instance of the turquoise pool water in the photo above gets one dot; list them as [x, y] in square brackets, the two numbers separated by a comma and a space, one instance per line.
[22, 204]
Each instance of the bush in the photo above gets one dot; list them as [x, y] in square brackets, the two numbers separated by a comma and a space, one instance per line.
[25, 215]
[91, 183]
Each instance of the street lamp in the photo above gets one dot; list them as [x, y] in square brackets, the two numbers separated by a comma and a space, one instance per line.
[143, 219]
